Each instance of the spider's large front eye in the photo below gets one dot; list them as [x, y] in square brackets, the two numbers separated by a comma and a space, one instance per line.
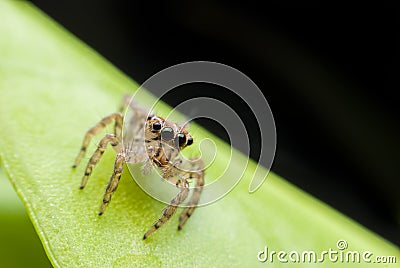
[167, 134]
[156, 126]
[189, 141]
[180, 139]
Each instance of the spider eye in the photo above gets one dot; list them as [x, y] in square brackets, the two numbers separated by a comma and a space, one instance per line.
[156, 126]
[167, 134]
[189, 141]
[180, 139]
[150, 116]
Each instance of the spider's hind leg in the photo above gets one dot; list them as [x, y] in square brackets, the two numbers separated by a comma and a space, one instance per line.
[117, 117]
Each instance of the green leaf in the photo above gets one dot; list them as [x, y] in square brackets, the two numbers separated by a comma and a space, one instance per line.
[53, 88]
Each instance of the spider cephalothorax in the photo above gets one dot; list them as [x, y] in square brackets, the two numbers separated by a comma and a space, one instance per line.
[164, 140]
[148, 139]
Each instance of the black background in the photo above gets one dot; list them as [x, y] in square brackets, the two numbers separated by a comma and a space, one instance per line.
[330, 77]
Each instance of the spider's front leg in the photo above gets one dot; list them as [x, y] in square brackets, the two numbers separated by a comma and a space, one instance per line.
[171, 208]
[194, 199]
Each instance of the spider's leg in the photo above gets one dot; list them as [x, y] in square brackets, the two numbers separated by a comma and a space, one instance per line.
[108, 138]
[171, 208]
[125, 103]
[114, 180]
[117, 117]
[194, 199]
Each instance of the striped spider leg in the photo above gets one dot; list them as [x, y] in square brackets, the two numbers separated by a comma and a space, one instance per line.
[164, 141]
[152, 140]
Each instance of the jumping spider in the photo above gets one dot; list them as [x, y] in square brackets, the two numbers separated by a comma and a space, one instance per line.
[152, 140]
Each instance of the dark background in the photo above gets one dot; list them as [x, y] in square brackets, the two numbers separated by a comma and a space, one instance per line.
[330, 77]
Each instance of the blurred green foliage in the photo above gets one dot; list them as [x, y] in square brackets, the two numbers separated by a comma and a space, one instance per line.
[19, 243]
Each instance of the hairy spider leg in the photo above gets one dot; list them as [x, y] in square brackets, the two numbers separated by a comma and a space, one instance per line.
[194, 199]
[108, 138]
[114, 180]
[171, 208]
[117, 117]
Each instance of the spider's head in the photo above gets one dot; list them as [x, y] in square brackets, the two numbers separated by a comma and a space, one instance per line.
[157, 128]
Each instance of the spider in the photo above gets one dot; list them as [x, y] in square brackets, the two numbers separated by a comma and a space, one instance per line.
[151, 140]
